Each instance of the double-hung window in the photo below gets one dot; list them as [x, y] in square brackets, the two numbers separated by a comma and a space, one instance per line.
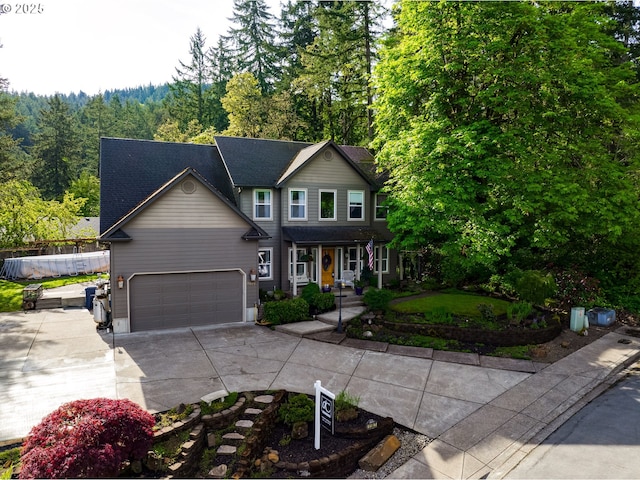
[264, 264]
[327, 205]
[297, 204]
[262, 204]
[381, 209]
[356, 205]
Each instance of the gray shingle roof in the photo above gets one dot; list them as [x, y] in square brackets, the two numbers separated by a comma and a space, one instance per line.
[256, 162]
[131, 170]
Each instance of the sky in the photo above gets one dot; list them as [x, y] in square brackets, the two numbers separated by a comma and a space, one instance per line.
[68, 46]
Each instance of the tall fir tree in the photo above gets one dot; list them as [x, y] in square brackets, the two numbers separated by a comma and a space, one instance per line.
[253, 40]
[337, 69]
[187, 97]
[56, 149]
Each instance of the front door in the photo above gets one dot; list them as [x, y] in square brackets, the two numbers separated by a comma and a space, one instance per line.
[327, 266]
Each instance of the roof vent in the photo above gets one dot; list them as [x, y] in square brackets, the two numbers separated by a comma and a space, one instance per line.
[328, 155]
[188, 186]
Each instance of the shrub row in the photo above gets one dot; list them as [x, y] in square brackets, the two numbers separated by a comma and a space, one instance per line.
[286, 311]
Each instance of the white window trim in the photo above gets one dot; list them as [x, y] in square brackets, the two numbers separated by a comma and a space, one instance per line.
[306, 205]
[270, 263]
[378, 206]
[349, 217]
[304, 277]
[384, 251]
[335, 205]
[255, 203]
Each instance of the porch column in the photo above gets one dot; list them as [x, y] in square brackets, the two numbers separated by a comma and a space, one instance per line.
[379, 247]
[319, 266]
[295, 269]
[358, 261]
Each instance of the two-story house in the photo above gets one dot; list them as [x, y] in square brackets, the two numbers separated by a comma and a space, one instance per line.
[195, 231]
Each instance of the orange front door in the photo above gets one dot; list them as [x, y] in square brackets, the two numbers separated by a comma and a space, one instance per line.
[327, 266]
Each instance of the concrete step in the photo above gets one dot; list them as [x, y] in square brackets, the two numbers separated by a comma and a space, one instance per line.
[348, 313]
[301, 329]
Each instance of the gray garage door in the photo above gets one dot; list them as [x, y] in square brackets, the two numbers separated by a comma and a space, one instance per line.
[174, 300]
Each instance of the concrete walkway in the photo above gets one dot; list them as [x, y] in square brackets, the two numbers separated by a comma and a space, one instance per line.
[485, 414]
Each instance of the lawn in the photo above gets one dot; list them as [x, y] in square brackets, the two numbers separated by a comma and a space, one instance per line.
[11, 292]
[458, 304]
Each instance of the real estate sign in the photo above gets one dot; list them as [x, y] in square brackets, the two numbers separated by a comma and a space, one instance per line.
[325, 411]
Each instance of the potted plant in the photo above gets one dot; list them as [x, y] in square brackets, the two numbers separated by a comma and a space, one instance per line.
[358, 285]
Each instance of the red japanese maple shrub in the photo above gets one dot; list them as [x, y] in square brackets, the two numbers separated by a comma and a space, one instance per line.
[87, 439]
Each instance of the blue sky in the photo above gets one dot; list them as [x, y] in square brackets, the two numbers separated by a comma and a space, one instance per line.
[98, 45]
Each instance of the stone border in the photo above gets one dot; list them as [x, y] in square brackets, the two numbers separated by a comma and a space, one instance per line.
[336, 464]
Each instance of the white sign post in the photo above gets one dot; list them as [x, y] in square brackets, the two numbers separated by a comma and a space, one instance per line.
[324, 411]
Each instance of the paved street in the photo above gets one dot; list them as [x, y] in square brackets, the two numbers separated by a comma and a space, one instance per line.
[601, 441]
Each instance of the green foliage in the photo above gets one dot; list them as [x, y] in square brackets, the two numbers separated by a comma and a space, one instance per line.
[207, 408]
[439, 314]
[308, 291]
[496, 123]
[535, 286]
[486, 312]
[9, 459]
[345, 401]
[87, 186]
[377, 299]
[517, 312]
[298, 408]
[169, 417]
[286, 311]
[25, 216]
[323, 301]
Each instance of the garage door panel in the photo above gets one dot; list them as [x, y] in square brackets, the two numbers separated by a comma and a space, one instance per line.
[174, 300]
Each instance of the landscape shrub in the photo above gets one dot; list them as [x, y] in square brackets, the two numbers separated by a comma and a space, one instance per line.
[308, 291]
[517, 312]
[87, 439]
[575, 288]
[286, 311]
[535, 286]
[323, 301]
[298, 408]
[377, 299]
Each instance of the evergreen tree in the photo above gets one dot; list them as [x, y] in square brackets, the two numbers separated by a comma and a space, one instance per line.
[254, 43]
[56, 149]
[221, 72]
[187, 100]
[337, 67]
[14, 162]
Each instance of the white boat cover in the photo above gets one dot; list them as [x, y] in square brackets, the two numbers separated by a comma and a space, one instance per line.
[46, 266]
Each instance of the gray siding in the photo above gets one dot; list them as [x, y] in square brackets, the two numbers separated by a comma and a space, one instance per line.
[182, 232]
[181, 250]
[320, 174]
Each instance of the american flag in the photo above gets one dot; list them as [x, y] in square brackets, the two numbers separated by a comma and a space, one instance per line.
[369, 248]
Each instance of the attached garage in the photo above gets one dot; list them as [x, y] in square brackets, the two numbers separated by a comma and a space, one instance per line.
[186, 299]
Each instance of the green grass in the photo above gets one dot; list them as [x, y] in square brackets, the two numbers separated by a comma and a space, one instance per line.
[458, 304]
[11, 292]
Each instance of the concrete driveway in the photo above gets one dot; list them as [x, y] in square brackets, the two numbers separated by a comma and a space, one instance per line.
[482, 411]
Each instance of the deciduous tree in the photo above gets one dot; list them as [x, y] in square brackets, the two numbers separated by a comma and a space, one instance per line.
[507, 133]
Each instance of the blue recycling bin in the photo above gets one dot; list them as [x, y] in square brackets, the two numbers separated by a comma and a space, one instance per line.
[89, 293]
